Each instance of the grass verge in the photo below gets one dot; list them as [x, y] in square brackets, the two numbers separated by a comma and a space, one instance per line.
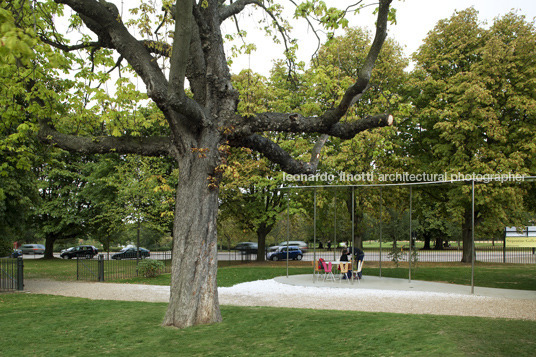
[42, 325]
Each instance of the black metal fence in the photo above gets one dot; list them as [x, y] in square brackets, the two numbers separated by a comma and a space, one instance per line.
[11, 274]
[496, 254]
[106, 269]
[490, 254]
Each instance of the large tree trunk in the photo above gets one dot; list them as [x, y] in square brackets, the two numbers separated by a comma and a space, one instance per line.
[194, 294]
[49, 247]
[427, 237]
[262, 232]
[358, 221]
[467, 238]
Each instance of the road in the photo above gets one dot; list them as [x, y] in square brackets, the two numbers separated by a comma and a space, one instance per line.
[522, 257]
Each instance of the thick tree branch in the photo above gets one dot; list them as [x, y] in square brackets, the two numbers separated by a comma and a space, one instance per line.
[146, 146]
[274, 153]
[362, 83]
[181, 47]
[103, 18]
[235, 8]
[329, 122]
[178, 65]
[296, 123]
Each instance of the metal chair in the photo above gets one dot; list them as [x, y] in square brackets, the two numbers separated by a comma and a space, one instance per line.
[344, 268]
[317, 268]
[328, 271]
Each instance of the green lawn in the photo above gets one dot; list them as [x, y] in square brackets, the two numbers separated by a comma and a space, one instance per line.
[42, 325]
[229, 276]
[506, 276]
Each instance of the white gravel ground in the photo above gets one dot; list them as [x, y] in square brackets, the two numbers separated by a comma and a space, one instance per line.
[273, 293]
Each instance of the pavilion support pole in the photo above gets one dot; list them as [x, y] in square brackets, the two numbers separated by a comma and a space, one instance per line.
[352, 255]
[335, 227]
[473, 256]
[381, 224]
[288, 227]
[314, 231]
[410, 235]
[353, 217]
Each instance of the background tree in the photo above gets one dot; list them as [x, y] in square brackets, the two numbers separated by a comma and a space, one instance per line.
[475, 113]
[63, 211]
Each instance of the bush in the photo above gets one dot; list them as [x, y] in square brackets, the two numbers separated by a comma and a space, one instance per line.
[6, 247]
[150, 268]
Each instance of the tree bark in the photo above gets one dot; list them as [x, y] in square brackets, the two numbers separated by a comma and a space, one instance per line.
[49, 247]
[427, 237]
[262, 232]
[194, 292]
[467, 238]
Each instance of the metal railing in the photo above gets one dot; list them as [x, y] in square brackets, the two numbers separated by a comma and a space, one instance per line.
[492, 254]
[11, 274]
[105, 269]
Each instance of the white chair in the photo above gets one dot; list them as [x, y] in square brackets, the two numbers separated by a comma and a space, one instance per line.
[358, 270]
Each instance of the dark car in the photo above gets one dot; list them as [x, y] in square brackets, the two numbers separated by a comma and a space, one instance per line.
[81, 251]
[131, 253]
[280, 253]
[247, 247]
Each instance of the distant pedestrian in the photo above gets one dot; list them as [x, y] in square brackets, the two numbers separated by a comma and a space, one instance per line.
[329, 245]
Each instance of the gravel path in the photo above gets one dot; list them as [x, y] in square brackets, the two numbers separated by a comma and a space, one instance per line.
[273, 293]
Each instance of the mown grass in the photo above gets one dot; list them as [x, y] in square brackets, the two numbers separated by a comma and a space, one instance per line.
[43, 325]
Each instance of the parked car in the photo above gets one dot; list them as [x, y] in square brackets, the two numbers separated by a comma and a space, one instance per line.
[81, 251]
[66, 250]
[298, 243]
[280, 253]
[16, 253]
[32, 249]
[247, 247]
[131, 253]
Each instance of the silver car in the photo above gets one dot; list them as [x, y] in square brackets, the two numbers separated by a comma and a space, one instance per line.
[32, 249]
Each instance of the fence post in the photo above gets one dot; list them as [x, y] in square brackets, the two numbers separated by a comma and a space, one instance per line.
[101, 268]
[20, 274]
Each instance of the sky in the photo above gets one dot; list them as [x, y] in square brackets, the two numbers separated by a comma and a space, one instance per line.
[415, 18]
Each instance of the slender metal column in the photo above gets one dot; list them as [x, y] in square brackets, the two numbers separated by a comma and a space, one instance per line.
[314, 232]
[381, 224]
[335, 227]
[352, 255]
[288, 226]
[410, 235]
[473, 237]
